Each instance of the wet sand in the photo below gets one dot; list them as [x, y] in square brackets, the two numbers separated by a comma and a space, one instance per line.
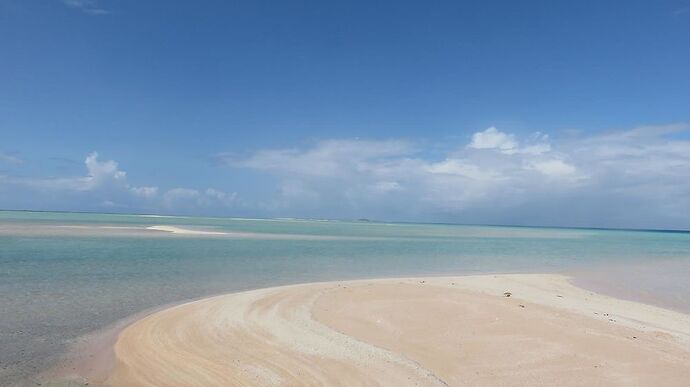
[514, 329]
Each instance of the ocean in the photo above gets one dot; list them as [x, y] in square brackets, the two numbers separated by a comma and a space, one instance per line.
[65, 275]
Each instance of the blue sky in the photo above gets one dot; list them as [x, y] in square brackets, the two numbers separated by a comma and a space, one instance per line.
[539, 112]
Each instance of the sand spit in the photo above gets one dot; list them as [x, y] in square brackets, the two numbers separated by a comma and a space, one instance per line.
[253, 235]
[157, 231]
[184, 231]
[475, 330]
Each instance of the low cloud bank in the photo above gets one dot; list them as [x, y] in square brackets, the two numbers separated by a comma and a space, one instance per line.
[626, 178]
[638, 178]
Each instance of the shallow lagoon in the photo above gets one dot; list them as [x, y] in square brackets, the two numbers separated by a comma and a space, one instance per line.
[63, 275]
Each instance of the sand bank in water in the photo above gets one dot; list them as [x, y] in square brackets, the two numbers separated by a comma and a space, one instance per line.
[184, 231]
[429, 332]
[252, 235]
[155, 231]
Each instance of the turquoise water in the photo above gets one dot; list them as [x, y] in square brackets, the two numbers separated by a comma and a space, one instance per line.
[58, 283]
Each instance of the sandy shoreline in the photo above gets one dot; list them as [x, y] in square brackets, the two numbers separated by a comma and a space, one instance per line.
[422, 331]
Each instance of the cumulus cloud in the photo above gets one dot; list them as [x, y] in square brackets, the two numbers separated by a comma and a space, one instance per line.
[636, 177]
[491, 138]
[100, 174]
[600, 179]
[353, 172]
[105, 186]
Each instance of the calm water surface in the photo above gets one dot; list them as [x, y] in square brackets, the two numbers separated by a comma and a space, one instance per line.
[58, 283]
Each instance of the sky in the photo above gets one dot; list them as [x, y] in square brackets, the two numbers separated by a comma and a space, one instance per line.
[554, 113]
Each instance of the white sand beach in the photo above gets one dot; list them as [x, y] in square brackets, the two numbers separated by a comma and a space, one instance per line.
[518, 329]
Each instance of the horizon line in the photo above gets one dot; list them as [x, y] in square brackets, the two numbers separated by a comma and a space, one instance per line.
[362, 220]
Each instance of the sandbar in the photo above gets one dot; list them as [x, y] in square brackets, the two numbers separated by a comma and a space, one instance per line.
[513, 329]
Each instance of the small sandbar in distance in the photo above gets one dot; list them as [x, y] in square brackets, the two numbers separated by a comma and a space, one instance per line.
[250, 235]
[185, 231]
[142, 231]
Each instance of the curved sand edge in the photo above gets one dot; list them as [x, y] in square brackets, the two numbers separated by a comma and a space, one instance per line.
[432, 331]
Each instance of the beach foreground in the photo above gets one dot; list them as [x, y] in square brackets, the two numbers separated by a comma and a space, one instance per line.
[489, 330]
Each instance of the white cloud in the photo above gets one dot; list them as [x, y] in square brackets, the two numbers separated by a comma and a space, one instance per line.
[535, 149]
[491, 138]
[144, 192]
[555, 168]
[353, 169]
[90, 7]
[180, 194]
[104, 180]
[220, 196]
[638, 177]
[185, 198]
[99, 174]
[460, 168]
[8, 158]
[105, 185]
[328, 158]
[494, 178]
